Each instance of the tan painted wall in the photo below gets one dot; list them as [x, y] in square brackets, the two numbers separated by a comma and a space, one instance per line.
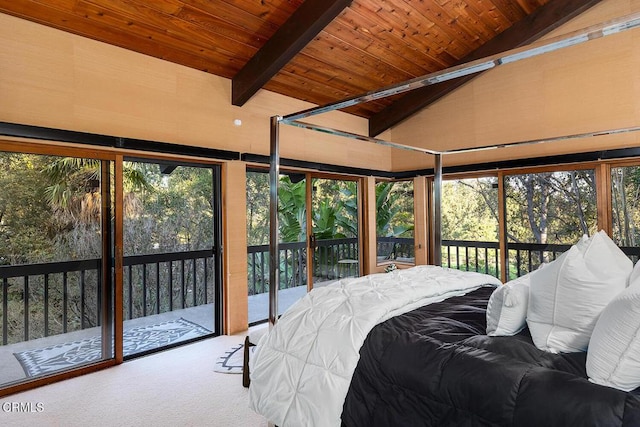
[591, 87]
[55, 79]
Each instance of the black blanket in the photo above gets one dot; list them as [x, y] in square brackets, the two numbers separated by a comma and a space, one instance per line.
[435, 366]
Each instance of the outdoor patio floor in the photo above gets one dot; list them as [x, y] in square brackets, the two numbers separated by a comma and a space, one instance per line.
[258, 308]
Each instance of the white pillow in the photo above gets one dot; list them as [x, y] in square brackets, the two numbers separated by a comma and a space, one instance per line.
[567, 296]
[507, 307]
[613, 358]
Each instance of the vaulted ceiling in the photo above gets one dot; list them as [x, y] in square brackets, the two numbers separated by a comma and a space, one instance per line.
[319, 51]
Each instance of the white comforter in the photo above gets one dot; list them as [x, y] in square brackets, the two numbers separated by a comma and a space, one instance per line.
[301, 370]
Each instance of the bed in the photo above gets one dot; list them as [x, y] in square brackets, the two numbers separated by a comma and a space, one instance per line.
[410, 348]
[301, 370]
[433, 346]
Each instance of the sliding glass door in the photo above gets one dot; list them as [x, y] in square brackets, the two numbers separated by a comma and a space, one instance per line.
[326, 210]
[293, 242]
[57, 237]
[55, 275]
[170, 242]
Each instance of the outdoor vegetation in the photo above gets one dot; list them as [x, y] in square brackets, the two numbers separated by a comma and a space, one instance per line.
[470, 213]
[334, 216]
[51, 212]
[395, 221]
[334, 226]
[549, 208]
[625, 187]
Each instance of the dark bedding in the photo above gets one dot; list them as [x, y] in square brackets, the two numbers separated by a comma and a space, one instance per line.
[435, 366]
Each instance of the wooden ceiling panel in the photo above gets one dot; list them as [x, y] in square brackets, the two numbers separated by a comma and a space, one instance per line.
[423, 37]
[272, 13]
[282, 84]
[226, 54]
[490, 19]
[369, 44]
[528, 5]
[510, 9]
[355, 62]
[214, 26]
[339, 81]
[420, 52]
[388, 49]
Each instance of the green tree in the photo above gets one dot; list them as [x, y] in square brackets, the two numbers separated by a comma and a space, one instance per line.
[625, 188]
[27, 223]
[292, 216]
[257, 185]
[393, 217]
[469, 210]
[551, 207]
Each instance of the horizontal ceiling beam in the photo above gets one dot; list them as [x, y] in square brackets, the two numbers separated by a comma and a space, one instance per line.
[541, 22]
[301, 27]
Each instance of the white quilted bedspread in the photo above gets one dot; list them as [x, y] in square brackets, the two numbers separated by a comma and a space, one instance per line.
[301, 370]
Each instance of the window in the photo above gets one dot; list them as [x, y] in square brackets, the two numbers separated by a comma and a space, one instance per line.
[547, 212]
[470, 231]
[331, 220]
[395, 221]
[334, 220]
[292, 222]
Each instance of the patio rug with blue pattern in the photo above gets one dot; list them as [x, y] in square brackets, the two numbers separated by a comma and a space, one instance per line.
[68, 355]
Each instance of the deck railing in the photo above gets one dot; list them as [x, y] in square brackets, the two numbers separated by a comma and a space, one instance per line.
[334, 258]
[292, 269]
[44, 299]
[51, 298]
[159, 283]
[337, 258]
[522, 258]
[59, 291]
[468, 255]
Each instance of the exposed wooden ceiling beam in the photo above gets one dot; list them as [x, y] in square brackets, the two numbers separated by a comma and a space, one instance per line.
[541, 22]
[303, 25]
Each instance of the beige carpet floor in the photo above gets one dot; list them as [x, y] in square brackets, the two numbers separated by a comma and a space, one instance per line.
[173, 388]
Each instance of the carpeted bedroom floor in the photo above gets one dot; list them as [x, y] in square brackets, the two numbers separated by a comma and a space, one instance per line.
[177, 387]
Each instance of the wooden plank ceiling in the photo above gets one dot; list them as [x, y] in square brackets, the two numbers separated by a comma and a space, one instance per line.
[319, 51]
